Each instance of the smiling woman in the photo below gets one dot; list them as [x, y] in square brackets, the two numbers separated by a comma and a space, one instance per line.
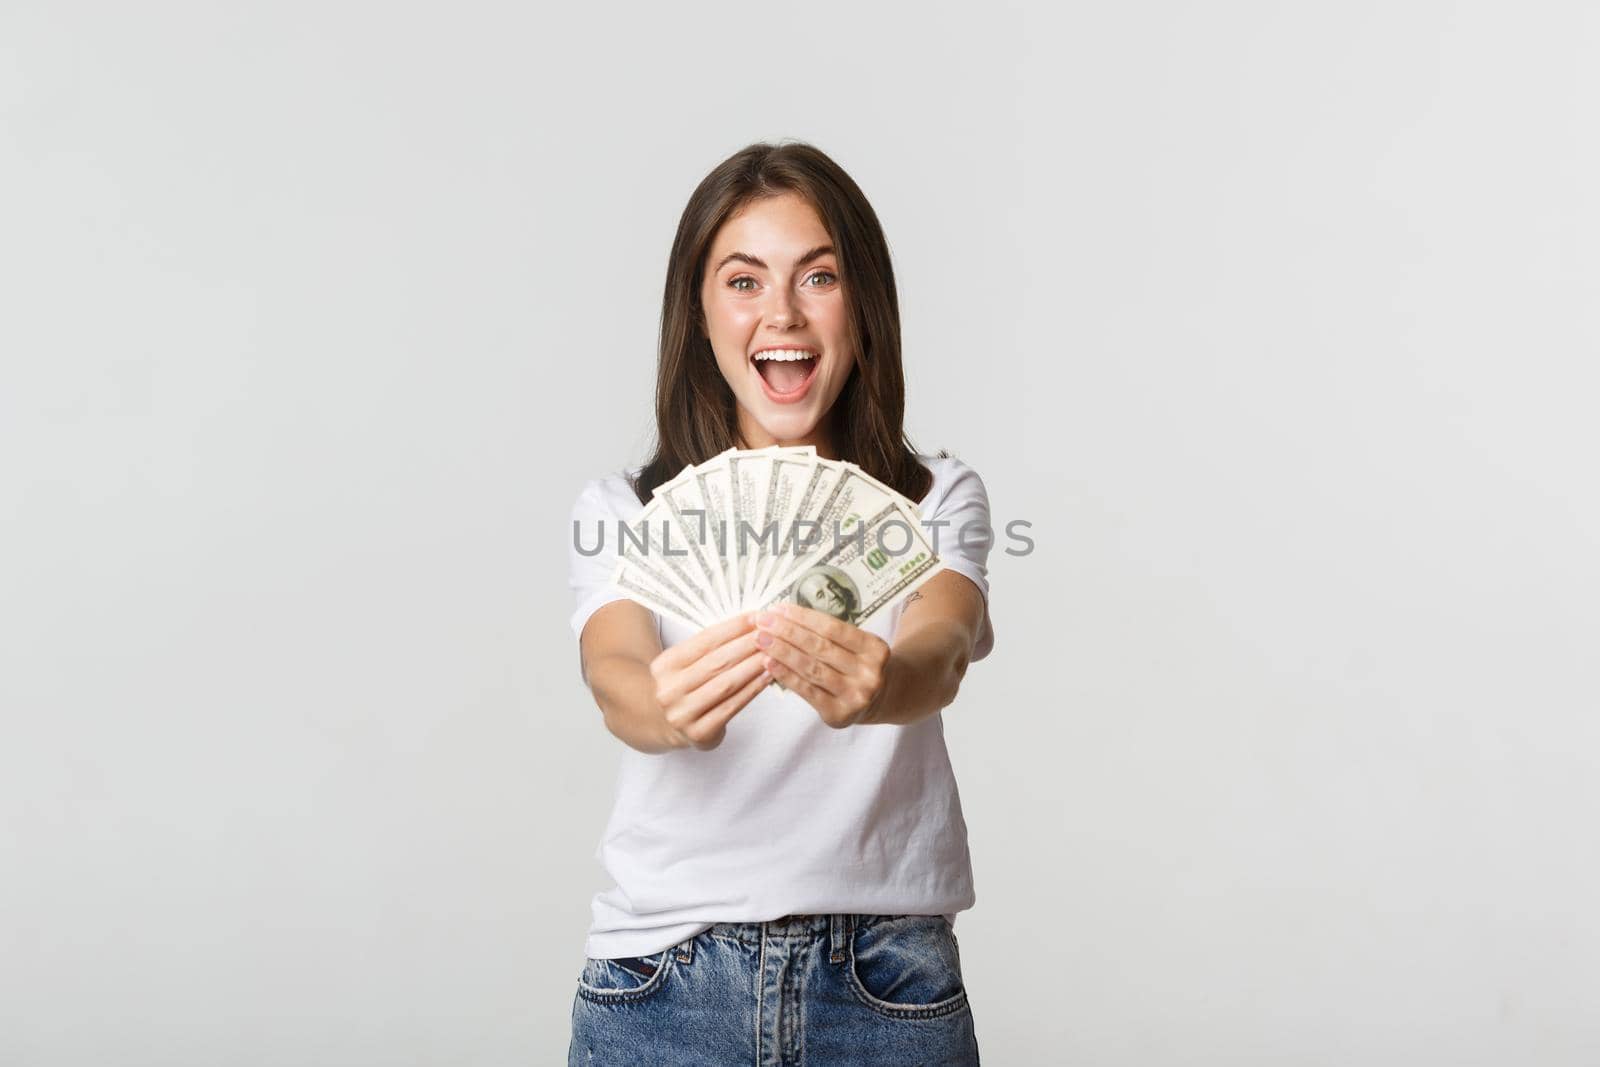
[788, 862]
[780, 333]
[779, 251]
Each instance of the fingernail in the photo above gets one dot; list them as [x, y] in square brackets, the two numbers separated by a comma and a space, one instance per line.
[763, 639]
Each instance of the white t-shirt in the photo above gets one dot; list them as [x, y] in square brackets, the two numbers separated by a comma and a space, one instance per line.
[787, 815]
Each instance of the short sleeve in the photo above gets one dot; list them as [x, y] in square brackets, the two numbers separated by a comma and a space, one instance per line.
[965, 534]
[591, 552]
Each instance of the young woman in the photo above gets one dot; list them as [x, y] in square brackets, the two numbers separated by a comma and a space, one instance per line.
[788, 862]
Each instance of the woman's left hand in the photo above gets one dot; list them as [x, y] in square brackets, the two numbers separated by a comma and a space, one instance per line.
[840, 669]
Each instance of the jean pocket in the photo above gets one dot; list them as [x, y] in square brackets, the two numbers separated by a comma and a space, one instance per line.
[626, 979]
[906, 966]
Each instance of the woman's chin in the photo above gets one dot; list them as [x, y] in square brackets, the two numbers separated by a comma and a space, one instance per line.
[785, 425]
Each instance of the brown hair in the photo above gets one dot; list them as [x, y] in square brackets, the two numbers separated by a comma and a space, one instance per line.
[696, 414]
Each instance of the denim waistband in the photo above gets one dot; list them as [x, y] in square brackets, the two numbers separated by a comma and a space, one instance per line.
[837, 930]
[790, 926]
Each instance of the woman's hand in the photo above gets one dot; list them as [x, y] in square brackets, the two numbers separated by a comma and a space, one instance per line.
[841, 670]
[703, 682]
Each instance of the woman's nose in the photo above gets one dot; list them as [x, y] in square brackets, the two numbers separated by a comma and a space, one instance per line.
[783, 311]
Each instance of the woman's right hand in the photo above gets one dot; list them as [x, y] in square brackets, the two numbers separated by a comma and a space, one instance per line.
[703, 682]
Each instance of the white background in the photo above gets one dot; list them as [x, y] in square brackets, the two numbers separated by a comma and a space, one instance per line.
[1276, 321]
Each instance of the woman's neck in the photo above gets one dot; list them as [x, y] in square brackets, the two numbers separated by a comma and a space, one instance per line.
[751, 435]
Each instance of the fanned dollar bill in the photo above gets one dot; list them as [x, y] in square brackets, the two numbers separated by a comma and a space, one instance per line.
[644, 589]
[695, 505]
[652, 549]
[858, 576]
[751, 528]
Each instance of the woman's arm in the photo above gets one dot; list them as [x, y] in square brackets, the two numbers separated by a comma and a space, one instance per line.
[657, 700]
[938, 631]
[853, 677]
[617, 646]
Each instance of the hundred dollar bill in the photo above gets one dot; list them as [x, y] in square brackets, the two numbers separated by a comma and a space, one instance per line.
[644, 589]
[714, 481]
[745, 468]
[797, 535]
[653, 544]
[847, 500]
[781, 484]
[881, 559]
[906, 502]
[686, 499]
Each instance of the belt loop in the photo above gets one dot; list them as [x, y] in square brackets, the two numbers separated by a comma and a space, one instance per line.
[839, 928]
[686, 951]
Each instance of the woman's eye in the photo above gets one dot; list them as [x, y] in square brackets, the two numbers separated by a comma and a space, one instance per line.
[734, 283]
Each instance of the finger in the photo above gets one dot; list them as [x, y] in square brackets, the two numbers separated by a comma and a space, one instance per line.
[694, 675]
[823, 624]
[803, 665]
[717, 689]
[686, 652]
[812, 693]
[710, 726]
[813, 670]
[810, 641]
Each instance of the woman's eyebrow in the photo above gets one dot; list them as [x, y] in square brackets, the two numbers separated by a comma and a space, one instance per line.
[745, 257]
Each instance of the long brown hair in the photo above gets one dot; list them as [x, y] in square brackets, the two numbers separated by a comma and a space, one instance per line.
[696, 414]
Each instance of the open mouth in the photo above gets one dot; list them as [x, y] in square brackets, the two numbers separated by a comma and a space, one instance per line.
[786, 373]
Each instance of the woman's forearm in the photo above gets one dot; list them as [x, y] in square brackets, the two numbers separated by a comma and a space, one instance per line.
[626, 693]
[924, 673]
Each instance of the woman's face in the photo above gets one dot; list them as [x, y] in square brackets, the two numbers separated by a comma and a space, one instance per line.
[771, 281]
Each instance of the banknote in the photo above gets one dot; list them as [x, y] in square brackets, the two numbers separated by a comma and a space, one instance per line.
[695, 510]
[882, 559]
[800, 532]
[745, 471]
[644, 589]
[752, 527]
[848, 499]
[781, 483]
[714, 482]
[655, 546]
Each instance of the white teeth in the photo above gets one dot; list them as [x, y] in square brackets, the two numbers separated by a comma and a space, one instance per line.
[785, 354]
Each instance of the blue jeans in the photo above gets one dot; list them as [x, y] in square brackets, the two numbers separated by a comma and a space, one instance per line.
[813, 989]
